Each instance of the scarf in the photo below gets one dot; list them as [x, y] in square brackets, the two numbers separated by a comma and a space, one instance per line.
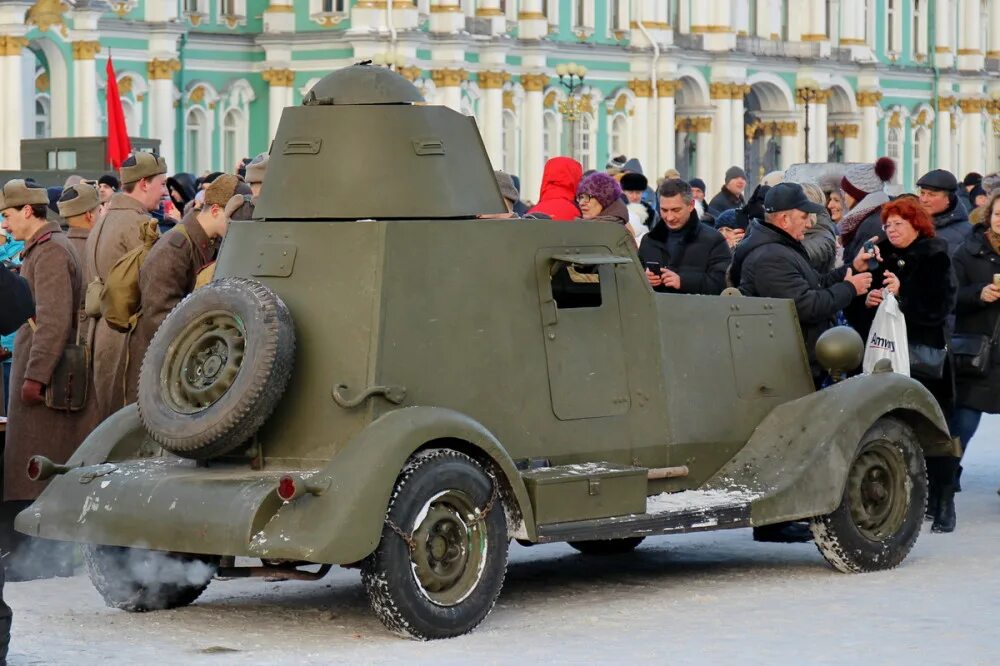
[993, 238]
[850, 222]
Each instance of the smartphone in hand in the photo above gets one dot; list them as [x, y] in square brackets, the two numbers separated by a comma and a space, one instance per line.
[869, 247]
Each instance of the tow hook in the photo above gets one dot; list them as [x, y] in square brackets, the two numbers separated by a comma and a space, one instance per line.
[41, 468]
[292, 486]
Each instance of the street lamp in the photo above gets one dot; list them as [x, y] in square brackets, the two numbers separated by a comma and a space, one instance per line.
[808, 92]
[571, 77]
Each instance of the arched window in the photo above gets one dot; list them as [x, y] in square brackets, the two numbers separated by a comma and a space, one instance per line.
[131, 118]
[195, 140]
[511, 162]
[43, 119]
[550, 135]
[618, 144]
[893, 147]
[921, 152]
[583, 141]
[233, 139]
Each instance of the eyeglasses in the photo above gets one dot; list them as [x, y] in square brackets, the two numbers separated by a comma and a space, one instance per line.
[583, 198]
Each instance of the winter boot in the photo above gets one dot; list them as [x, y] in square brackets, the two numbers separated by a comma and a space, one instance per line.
[944, 519]
[958, 479]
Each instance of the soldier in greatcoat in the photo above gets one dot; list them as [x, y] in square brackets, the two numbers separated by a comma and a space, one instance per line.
[143, 177]
[171, 269]
[52, 270]
[79, 206]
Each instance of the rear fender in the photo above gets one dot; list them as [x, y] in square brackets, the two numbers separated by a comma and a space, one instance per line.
[796, 460]
[344, 523]
[121, 436]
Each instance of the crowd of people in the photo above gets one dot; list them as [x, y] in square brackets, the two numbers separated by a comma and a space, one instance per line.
[836, 246]
[106, 261]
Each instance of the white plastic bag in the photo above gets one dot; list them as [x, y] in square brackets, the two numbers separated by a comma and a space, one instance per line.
[887, 338]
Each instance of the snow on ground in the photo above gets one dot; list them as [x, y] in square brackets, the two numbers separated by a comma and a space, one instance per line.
[702, 598]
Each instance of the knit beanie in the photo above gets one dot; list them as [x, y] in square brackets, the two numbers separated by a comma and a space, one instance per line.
[735, 172]
[860, 180]
[600, 186]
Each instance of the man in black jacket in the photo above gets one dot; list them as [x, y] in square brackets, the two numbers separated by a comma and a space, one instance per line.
[771, 262]
[18, 306]
[731, 194]
[680, 254]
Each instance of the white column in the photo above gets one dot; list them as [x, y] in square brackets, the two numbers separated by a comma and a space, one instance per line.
[279, 95]
[446, 16]
[868, 101]
[491, 107]
[708, 163]
[722, 129]
[667, 148]
[817, 21]
[819, 152]
[533, 135]
[970, 46]
[449, 86]
[492, 12]
[640, 122]
[737, 148]
[852, 144]
[944, 48]
[993, 33]
[971, 136]
[13, 106]
[85, 71]
[10, 67]
[942, 127]
[162, 119]
[531, 23]
[791, 148]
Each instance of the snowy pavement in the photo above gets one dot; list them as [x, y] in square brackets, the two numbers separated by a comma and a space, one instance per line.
[711, 598]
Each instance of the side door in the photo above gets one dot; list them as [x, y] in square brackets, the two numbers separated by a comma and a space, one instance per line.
[582, 329]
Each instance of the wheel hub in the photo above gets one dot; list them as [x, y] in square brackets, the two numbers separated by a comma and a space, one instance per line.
[876, 491]
[448, 550]
[203, 362]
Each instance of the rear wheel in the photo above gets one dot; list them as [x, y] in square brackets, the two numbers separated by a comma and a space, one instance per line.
[140, 580]
[441, 562]
[607, 546]
[881, 512]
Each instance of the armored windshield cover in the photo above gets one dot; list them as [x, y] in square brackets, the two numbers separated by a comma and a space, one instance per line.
[363, 145]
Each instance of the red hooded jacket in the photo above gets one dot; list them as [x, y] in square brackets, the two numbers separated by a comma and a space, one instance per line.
[557, 198]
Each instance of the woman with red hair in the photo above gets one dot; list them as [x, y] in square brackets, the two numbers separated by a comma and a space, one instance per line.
[915, 266]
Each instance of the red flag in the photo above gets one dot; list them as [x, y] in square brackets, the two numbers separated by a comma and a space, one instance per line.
[119, 145]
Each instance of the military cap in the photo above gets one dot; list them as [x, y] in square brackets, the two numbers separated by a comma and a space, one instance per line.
[17, 193]
[141, 165]
[257, 169]
[221, 190]
[939, 180]
[78, 199]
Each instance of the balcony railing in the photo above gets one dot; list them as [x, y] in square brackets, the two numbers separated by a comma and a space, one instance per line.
[688, 41]
[777, 48]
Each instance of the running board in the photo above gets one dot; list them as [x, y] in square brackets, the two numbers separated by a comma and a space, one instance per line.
[667, 513]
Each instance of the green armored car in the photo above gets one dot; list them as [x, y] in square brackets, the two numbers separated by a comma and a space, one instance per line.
[376, 378]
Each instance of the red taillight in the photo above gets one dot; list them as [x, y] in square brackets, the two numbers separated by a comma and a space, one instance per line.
[34, 469]
[286, 489]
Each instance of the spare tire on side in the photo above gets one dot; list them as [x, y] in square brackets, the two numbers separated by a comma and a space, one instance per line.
[216, 368]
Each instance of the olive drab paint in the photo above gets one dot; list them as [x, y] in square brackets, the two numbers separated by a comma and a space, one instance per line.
[536, 347]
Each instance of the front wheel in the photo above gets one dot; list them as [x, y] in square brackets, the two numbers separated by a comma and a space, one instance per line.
[881, 512]
[440, 564]
[140, 580]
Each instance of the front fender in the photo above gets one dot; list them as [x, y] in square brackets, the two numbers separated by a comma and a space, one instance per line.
[344, 523]
[797, 459]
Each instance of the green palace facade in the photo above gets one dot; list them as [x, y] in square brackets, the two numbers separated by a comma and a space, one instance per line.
[696, 85]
